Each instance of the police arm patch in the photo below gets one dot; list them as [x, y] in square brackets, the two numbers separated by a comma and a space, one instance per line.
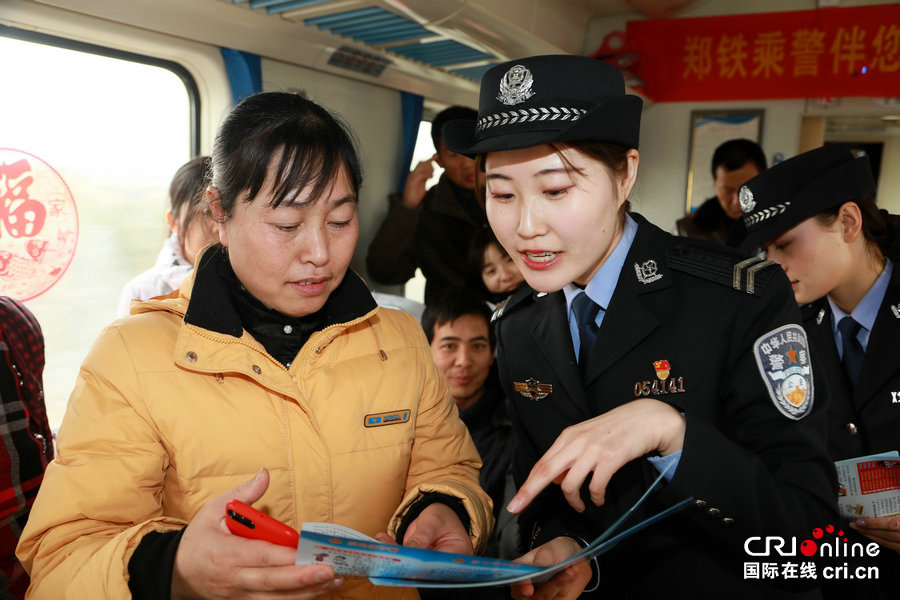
[782, 356]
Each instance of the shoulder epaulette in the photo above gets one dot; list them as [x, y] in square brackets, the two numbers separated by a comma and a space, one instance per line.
[511, 302]
[749, 275]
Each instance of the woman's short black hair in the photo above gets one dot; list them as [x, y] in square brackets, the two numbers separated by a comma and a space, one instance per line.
[312, 144]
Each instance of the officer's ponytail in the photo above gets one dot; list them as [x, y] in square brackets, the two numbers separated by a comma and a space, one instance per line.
[889, 240]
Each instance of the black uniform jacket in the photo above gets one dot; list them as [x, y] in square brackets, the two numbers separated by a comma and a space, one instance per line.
[865, 420]
[752, 470]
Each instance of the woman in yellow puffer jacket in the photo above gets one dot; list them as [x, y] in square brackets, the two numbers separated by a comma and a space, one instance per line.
[267, 378]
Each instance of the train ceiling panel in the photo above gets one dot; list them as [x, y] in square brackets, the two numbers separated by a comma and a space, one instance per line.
[436, 48]
[460, 37]
[383, 29]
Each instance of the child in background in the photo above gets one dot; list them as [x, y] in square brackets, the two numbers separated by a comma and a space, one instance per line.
[191, 230]
[499, 274]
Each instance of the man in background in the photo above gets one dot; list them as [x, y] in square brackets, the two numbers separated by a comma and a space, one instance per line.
[733, 164]
[27, 441]
[431, 230]
[462, 342]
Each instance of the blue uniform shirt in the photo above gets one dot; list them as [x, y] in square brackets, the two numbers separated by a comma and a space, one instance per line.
[602, 285]
[865, 312]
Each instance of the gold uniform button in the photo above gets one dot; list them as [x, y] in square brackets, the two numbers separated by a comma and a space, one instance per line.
[852, 429]
[191, 356]
[726, 521]
[713, 513]
[256, 369]
[701, 504]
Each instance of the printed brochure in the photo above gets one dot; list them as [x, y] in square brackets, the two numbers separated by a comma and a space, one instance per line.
[869, 486]
[350, 552]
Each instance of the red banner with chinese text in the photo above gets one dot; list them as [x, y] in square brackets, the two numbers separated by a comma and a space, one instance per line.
[828, 52]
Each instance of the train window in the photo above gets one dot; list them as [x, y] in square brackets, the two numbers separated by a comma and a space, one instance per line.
[89, 141]
[415, 287]
[425, 149]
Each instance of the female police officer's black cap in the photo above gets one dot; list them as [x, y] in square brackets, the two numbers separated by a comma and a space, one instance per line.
[543, 99]
[790, 192]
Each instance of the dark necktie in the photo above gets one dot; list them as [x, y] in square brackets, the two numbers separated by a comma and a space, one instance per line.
[853, 350]
[585, 311]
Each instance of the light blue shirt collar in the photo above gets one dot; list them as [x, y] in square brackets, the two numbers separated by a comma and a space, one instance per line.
[602, 285]
[867, 309]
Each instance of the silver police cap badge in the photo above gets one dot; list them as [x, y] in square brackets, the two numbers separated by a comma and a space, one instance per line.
[746, 198]
[515, 86]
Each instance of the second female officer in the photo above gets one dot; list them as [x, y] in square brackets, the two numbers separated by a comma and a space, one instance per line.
[836, 248]
[633, 350]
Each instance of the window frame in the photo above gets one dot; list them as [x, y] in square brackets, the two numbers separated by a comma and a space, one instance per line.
[181, 72]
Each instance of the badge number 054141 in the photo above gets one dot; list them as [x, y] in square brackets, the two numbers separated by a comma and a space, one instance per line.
[658, 388]
[663, 384]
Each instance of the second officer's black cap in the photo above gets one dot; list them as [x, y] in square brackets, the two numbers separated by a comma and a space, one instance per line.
[790, 192]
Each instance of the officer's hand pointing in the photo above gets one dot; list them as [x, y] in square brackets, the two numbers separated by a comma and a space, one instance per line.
[602, 445]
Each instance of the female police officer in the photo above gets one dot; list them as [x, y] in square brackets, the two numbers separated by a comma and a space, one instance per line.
[836, 248]
[699, 358]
